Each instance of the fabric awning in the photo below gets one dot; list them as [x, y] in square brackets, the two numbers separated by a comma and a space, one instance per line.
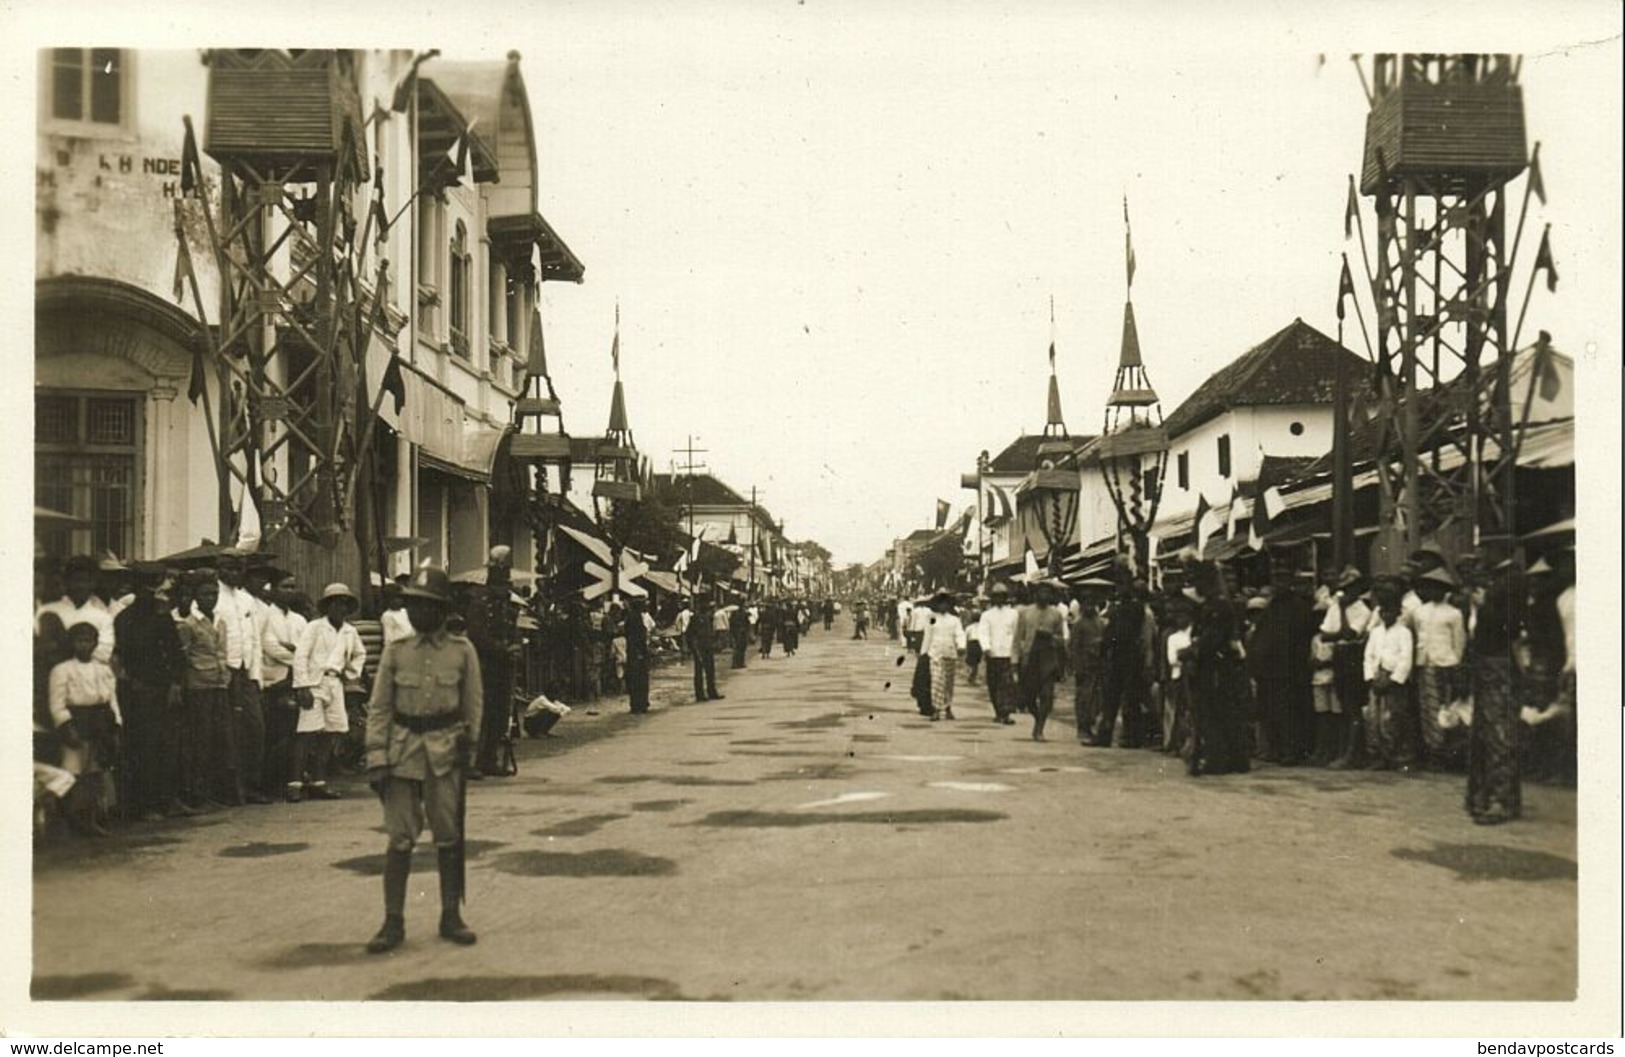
[665, 581]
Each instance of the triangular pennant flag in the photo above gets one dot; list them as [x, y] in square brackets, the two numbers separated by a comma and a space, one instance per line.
[942, 513]
[183, 269]
[1345, 288]
[615, 346]
[1128, 243]
[1546, 370]
[1350, 211]
[192, 164]
[733, 536]
[1258, 525]
[197, 387]
[402, 98]
[1543, 260]
[394, 382]
[1274, 503]
[1029, 563]
[1537, 185]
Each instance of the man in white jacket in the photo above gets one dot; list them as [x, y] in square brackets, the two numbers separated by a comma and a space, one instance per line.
[330, 656]
[1390, 653]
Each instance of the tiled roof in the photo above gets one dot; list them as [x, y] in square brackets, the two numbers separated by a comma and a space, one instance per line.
[1277, 470]
[1022, 454]
[1296, 365]
[701, 489]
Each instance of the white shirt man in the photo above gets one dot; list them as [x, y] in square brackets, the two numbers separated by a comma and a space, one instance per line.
[1441, 635]
[1389, 648]
[327, 658]
[997, 630]
[279, 638]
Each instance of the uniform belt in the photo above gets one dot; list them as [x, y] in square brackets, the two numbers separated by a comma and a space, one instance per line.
[424, 724]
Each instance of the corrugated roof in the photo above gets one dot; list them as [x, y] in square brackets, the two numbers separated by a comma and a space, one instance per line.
[1295, 365]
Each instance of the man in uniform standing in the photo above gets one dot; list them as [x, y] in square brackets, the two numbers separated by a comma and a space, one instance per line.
[422, 720]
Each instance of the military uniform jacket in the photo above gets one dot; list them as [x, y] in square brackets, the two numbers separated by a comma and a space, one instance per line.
[425, 676]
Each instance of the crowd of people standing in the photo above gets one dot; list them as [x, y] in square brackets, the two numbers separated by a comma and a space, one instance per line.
[169, 690]
[1462, 667]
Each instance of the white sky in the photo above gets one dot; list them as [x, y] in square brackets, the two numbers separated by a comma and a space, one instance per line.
[834, 228]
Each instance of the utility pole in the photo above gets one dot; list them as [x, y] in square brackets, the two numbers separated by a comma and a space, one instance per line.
[753, 540]
[688, 467]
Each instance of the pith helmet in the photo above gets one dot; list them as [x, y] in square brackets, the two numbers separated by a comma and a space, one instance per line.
[429, 582]
[340, 591]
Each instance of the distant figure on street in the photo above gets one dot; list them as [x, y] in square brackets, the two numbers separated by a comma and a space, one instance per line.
[996, 630]
[860, 619]
[943, 645]
[638, 626]
[1088, 663]
[702, 647]
[829, 613]
[919, 618]
[790, 628]
[769, 624]
[739, 635]
[1040, 652]
[1218, 689]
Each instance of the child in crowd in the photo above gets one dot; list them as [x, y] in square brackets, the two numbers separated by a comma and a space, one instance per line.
[84, 708]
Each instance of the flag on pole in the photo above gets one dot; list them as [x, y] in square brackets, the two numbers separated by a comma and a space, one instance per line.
[1345, 288]
[1128, 243]
[1029, 562]
[942, 513]
[192, 163]
[1274, 502]
[1258, 526]
[1537, 185]
[1551, 379]
[1208, 523]
[615, 346]
[183, 269]
[394, 382]
[1350, 211]
[1543, 260]
[196, 388]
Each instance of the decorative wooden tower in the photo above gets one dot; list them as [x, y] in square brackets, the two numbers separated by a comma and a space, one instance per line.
[1054, 487]
[290, 347]
[1444, 137]
[618, 469]
[1133, 446]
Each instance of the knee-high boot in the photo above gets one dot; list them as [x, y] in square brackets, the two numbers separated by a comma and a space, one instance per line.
[397, 868]
[451, 897]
